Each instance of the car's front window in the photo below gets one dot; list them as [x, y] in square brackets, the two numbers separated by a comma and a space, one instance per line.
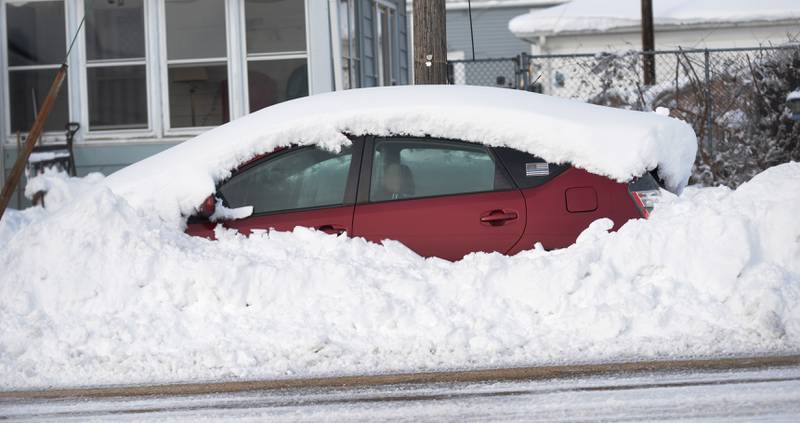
[299, 179]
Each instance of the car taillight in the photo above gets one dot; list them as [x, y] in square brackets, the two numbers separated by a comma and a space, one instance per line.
[645, 193]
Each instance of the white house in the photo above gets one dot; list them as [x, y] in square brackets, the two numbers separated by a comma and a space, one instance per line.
[489, 26]
[591, 26]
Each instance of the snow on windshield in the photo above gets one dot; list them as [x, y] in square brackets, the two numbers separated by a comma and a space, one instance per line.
[616, 143]
[100, 292]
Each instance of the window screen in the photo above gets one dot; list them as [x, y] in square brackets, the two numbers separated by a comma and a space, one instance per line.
[299, 179]
[408, 168]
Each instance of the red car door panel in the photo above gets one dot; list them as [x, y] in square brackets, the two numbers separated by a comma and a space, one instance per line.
[330, 220]
[448, 227]
[550, 219]
[333, 220]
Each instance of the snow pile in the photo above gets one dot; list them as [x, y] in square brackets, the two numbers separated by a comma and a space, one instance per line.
[592, 15]
[102, 293]
[616, 143]
[60, 189]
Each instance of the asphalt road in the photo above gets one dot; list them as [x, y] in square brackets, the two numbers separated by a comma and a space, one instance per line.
[760, 390]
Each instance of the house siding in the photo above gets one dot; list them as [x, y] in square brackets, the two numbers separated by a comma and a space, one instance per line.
[369, 64]
[490, 27]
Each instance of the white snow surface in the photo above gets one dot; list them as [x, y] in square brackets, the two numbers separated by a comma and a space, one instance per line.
[616, 143]
[101, 292]
[593, 15]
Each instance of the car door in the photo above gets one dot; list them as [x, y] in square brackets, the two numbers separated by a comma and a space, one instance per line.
[306, 186]
[438, 197]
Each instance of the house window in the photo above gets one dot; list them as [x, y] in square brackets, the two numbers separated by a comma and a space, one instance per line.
[36, 48]
[115, 65]
[348, 30]
[385, 42]
[151, 68]
[197, 63]
[277, 65]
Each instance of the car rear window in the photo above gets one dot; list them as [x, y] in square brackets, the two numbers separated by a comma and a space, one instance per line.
[527, 170]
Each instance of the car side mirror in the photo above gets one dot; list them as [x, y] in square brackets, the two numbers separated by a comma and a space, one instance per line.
[208, 207]
[212, 209]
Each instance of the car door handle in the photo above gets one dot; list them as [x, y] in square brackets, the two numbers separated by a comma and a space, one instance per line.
[332, 229]
[498, 217]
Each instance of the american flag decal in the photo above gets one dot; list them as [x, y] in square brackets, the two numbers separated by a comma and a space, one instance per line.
[537, 169]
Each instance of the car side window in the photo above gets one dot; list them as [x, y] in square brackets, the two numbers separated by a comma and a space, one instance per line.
[298, 179]
[414, 168]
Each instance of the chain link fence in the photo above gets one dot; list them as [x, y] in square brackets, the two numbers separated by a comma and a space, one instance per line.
[733, 98]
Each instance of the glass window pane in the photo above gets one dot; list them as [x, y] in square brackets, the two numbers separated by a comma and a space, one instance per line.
[36, 33]
[114, 29]
[305, 178]
[385, 28]
[117, 97]
[273, 81]
[195, 29]
[411, 169]
[27, 91]
[344, 26]
[275, 26]
[198, 95]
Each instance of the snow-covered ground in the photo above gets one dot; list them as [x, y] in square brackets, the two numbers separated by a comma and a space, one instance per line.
[94, 291]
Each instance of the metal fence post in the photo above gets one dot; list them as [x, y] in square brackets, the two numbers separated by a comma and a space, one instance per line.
[525, 69]
[709, 104]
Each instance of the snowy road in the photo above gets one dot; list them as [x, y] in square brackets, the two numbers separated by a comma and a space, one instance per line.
[770, 394]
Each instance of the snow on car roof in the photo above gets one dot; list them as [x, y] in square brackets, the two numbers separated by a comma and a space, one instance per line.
[615, 143]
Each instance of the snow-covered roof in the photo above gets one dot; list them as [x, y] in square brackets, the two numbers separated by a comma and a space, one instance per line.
[794, 95]
[616, 143]
[580, 16]
[486, 4]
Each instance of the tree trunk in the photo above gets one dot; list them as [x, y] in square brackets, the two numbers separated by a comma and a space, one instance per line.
[430, 42]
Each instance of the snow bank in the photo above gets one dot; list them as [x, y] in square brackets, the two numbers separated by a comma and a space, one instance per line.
[592, 15]
[616, 143]
[100, 293]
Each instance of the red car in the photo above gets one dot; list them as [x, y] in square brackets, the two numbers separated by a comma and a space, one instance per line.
[440, 197]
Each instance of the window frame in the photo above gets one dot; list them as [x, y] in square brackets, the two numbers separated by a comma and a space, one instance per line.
[351, 185]
[365, 178]
[256, 57]
[6, 69]
[380, 71]
[353, 57]
[83, 76]
[165, 62]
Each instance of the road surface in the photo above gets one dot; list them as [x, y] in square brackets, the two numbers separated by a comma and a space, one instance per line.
[762, 392]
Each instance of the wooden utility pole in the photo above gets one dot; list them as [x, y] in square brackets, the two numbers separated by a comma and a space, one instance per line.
[430, 42]
[648, 43]
[30, 142]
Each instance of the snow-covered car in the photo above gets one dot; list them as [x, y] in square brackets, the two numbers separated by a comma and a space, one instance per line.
[445, 170]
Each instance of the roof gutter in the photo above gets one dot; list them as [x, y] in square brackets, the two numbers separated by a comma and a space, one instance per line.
[533, 37]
